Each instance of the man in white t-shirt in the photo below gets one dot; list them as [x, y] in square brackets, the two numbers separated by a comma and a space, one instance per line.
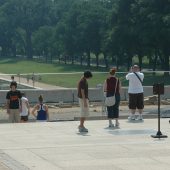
[135, 92]
[25, 108]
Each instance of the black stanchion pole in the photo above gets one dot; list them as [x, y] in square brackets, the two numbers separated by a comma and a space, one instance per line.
[159, 133]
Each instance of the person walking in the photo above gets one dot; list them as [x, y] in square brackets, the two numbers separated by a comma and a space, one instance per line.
[12, 78]
[13, 102]
[27, 77]
[42, 114]
[112, 86]
[135, 91]
[25, 108]
[83, 99]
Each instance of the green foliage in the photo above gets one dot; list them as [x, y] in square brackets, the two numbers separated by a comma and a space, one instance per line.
[72, 30]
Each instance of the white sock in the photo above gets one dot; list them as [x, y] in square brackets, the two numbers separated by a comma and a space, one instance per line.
[116, 122]
[110, 122]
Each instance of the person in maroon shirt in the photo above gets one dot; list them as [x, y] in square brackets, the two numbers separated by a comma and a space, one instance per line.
[112, 85]
[83, 99]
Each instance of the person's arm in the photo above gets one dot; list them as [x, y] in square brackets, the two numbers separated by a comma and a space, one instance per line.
[83, 97]
[7, 102]
[46, 108]
[142, 76]
[28, 107]
[33, 111]
[127, 76]
[20, 105]
[105, 88]
[120, 86]
[7, 106]
[20, 101]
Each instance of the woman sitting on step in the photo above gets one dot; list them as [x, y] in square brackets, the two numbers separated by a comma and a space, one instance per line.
[42, 111]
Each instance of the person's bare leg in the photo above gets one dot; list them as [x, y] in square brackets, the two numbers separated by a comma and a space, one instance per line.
[133, 111]
[110, 123]
[82, 119]
[140, 111]
[117, 122]
[140, 114]
[132, 116]
[81, 126]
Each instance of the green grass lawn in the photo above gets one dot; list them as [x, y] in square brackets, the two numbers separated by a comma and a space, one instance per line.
[72, 80]
[26, 66]
[12, 66]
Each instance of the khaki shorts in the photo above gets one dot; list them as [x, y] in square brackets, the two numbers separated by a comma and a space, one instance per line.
[84, 111]
[14, 116]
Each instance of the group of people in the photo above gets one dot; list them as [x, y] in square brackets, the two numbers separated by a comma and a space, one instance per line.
[18, 107]
[112, 87]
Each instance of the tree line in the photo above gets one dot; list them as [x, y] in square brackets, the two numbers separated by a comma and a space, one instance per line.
[114, 30]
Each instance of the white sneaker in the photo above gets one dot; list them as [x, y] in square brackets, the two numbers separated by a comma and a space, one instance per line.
[131, 117]
[111, 125]
[117, 124]
[140, 117]
[85, 129]
[82, 129]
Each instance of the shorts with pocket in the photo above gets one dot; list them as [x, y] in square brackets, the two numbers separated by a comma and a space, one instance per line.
[136, 101]
[84, 111]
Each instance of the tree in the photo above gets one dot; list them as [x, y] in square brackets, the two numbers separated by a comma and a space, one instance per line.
[42, 41]
[28, 15]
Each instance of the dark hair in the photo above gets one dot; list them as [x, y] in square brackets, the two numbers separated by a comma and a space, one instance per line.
[13, 83]
[88, 74]
[40, 98]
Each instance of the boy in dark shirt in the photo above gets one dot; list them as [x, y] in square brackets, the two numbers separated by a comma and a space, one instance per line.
[83, 99]
[13, 103]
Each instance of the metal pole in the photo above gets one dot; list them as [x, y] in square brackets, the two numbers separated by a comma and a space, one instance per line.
[159, 131]
[159, 134]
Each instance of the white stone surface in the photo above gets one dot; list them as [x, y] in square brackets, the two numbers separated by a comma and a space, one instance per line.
[59, 146]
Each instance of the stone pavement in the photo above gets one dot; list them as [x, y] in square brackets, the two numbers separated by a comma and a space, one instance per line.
[59, 146]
